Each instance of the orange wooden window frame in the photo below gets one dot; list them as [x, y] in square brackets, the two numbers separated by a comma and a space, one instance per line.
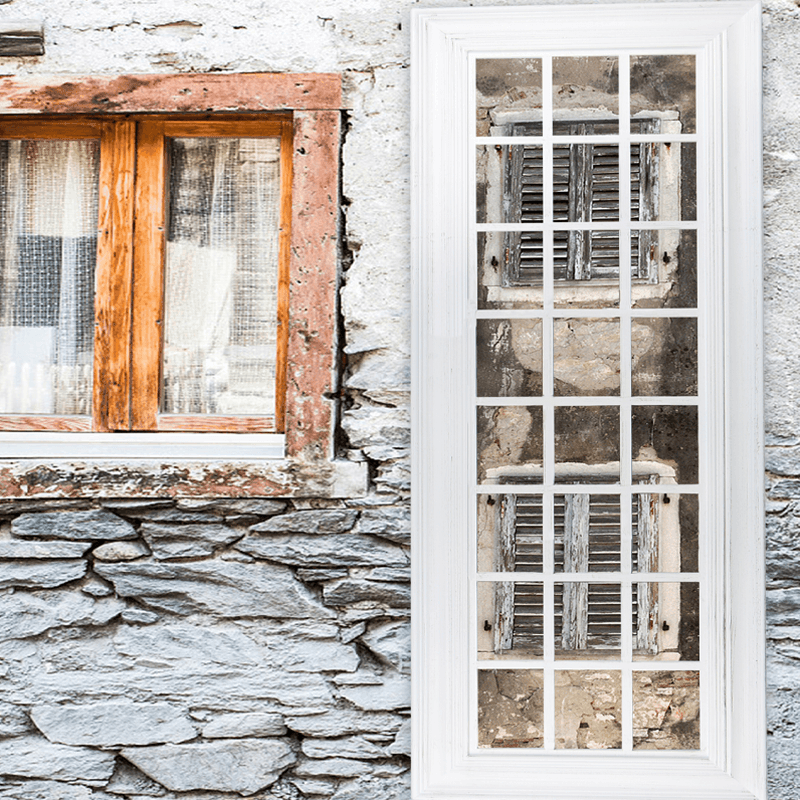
[129, 283]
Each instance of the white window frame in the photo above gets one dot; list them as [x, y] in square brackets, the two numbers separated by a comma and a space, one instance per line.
[726, 38]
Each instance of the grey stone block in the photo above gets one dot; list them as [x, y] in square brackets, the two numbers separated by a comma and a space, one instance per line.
[113, 723]
[120, 551]
[343, 722]
[95, 524]
[353, 590]
[309, 522]
[41, 574]
[190, 540]
[336, 550]
[343, 747]
[33, 549]
[35, 757]
[238, 765]
[391, 642]
[222, 588]
[236, 726]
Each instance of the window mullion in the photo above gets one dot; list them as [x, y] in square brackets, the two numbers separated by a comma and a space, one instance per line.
[148, 260]
[111, 394]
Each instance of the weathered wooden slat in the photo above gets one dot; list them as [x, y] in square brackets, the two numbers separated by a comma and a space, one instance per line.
[21, 37]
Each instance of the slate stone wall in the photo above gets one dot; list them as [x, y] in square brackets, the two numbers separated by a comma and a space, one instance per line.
[220, 648]
[161, 634]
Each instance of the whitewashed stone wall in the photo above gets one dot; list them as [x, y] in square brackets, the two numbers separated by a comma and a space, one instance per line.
[226, 647]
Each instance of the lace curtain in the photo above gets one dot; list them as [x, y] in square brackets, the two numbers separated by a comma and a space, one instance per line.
[221, 276]
[48, 244]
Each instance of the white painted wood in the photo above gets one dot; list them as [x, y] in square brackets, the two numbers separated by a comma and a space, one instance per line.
[726, 39]
[163, 446]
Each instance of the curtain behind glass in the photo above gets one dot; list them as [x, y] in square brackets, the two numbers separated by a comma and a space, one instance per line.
[48, 246]
[221, 277]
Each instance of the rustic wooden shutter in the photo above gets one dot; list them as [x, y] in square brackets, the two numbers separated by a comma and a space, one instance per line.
[585, 189]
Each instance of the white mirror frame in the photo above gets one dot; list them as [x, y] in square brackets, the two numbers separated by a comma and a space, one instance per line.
[726, 38]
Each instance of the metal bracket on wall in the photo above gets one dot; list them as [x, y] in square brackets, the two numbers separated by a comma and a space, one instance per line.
[24, 37]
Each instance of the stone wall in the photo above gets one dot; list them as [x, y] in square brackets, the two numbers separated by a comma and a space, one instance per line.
[173, 652]
[221, 647]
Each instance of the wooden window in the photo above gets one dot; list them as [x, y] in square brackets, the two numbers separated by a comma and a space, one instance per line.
[190, 312]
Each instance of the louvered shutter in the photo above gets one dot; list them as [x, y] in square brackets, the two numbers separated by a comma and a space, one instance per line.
[585, 189]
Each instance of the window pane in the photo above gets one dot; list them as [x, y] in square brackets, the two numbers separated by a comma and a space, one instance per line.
[48, 224]
[663, 87]
[666, 710]
[510, 708]
[510, 185]
[510, 265]
[666, 621]
[663, 181]
[588, 710]
[510, 444]
[510, 620]
[586, 87]
[664, 441]
[508, 91]
[588, 620]
[585, 357]
[221, 276]
[587, 444]
[664, 357]
[509, 357]
[510, 533]
[664, 531]
[664, 269]
[587, 533]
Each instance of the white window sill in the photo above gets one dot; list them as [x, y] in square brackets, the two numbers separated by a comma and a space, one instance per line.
[158, 446]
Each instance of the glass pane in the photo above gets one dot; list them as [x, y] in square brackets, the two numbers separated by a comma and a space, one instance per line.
[585, 357]
[666, 621]
[586, 88]
[665, 442]
[587, 533]
[587, 444]
[509, 185]
[509, 357]
[663, 181]
[664, 357]
[221, 276]
[588, 710]
[510, 444]
[510, 269]
[666, 710]
[509, 533]
[510, 708]
[585, 182]
[510, 620]
[48, 220]
[664, 530]
[663, 90]
[664, 269]
[508, 95]
[586, 269]
[588, 620]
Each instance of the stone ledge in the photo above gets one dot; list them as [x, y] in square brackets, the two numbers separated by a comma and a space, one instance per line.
[65, 478]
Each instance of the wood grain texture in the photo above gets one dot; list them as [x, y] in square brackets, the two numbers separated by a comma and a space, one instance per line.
[189, 93]
[229, 127]
[24, 37]
[13, 128]
[148, 272]
[111, 400]
[313, 285]
[22, 422]
[284, 258]
[210, 423]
